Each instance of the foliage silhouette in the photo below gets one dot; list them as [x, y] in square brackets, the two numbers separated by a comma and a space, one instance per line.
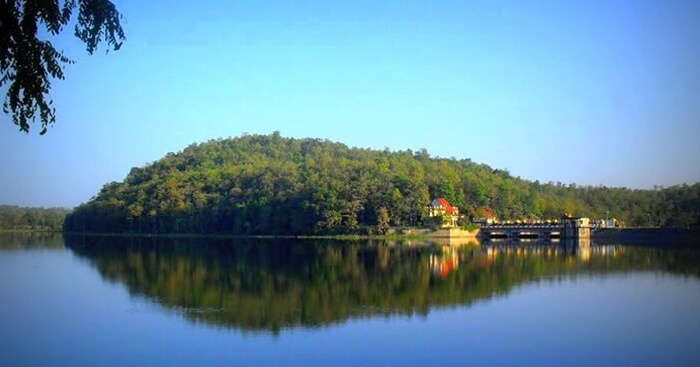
[28, 64]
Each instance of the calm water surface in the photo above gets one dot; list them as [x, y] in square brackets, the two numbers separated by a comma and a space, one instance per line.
[95, 301]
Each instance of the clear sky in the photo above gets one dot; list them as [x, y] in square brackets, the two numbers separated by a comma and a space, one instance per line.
[591, 92]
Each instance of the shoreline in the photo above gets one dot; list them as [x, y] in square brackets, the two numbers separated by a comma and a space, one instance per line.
[395, 234]
[30, 231]
[348, 237]
[650, 235]
[633, 236]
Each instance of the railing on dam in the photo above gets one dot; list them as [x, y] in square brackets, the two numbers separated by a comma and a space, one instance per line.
[521, 226]
[568, 228]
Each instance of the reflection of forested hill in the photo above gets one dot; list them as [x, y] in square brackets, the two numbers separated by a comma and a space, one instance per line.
[30, 240]
[273, 284]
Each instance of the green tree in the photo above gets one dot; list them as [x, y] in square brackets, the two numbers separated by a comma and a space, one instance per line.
[28, 63]
[383, 220]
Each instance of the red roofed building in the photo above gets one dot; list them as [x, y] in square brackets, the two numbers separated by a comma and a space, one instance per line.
[440, 207]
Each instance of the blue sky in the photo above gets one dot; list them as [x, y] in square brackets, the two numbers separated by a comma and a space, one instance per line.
[592, 92]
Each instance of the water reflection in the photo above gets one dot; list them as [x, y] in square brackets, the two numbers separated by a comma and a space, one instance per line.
[30, 241]
[275, 284]
[454, 242]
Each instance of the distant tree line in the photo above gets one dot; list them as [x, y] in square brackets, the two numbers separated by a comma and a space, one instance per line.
[266, 184]
[19, 218]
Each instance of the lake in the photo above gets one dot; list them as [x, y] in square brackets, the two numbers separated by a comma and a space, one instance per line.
[99, 301]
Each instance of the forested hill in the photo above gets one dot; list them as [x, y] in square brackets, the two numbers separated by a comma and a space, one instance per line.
[273, 185]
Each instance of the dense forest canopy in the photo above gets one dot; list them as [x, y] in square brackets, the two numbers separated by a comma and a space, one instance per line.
[18, 218]
[267, 184]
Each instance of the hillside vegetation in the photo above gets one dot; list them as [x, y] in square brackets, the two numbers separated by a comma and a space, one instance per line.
[273, 185]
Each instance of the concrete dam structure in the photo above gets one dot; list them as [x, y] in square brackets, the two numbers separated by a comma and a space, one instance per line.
[568, 228]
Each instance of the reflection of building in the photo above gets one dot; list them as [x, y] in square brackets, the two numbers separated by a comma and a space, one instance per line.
[444, 263]
[454, 241]
[581, 247]
[440, 207]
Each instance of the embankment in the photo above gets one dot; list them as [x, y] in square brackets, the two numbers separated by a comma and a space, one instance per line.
[650, 236]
